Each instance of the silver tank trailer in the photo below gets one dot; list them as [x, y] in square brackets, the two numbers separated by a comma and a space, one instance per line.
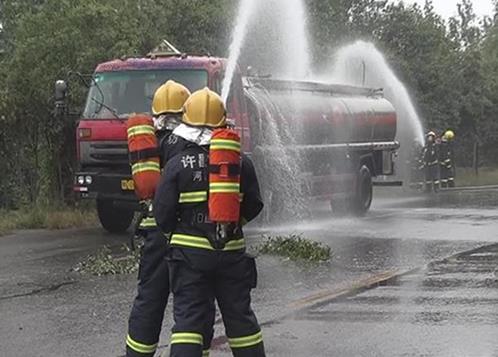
[320, 114]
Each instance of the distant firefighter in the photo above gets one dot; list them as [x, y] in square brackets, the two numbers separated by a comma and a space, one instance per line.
[416, 165]
[431, 163]
[446, 159]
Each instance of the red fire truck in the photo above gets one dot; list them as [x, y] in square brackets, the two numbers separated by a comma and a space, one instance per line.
[345, 136]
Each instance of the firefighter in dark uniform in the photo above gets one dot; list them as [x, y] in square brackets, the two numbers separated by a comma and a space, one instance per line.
[431, 163]
[416, 165]
[446, 159]
[205, 259]
[146, 317]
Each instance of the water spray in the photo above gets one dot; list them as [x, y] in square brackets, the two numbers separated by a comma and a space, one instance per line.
[298, 64]
[363, 64]
[246, 9]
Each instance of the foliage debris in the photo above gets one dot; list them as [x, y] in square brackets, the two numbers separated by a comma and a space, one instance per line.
[107, 262]
[296, 247]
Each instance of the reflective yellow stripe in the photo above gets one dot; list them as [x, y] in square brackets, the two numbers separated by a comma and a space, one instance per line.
[246, 341]
[141, 130]
[200, 196]
[148, 222]
[235, 244]
[205, 353]
[224, 187]
[140, 347]
[193, 197]
[225, 141]
[145, 166]
[224, 147]
[190, 241]
[224, 144]
[187, 337]
[185, 240]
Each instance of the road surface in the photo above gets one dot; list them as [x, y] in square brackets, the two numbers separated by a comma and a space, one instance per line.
[406, 280]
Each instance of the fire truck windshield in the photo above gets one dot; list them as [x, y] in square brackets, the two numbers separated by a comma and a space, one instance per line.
[118, 94]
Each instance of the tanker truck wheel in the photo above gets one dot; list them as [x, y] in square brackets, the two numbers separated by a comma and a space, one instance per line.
[364, 192]
[114, 219]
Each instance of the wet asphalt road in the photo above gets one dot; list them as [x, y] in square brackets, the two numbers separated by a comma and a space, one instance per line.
[438, 308]
[447, 309]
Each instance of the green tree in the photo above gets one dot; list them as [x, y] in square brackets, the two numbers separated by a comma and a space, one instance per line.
[47, 39]
[416, 41]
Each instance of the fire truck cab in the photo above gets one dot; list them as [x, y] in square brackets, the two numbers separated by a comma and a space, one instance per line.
[118, 89]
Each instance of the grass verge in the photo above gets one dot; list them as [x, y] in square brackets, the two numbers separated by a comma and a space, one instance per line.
[296, 247]
[107, 262]
[467, 177]
[46, 218]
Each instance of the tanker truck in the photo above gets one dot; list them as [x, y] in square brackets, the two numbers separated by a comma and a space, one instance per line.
[338, 138]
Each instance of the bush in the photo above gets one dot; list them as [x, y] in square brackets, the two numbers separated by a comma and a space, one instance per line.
[46, 218]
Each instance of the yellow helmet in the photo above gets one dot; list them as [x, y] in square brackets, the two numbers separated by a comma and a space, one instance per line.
[449, 135]
[204, 108]
[169, 98]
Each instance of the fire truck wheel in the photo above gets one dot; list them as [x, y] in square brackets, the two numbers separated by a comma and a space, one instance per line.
[113, 219]
[364, 192]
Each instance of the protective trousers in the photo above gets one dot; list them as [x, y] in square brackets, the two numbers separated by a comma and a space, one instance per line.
[416, 181]
[146, 318]
[447, 176]
[431, 177]
[197, 277]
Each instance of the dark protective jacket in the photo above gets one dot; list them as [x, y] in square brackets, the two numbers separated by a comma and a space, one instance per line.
[446, 154]
[430, 154]
[181, 200]
[170, 145]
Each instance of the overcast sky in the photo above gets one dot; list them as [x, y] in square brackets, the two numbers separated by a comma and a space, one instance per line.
[447, 8]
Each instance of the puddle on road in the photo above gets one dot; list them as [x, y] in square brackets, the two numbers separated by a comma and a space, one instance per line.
[457, 294]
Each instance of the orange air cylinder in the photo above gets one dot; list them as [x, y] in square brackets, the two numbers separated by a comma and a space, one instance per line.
[224, 176]
[144, 155]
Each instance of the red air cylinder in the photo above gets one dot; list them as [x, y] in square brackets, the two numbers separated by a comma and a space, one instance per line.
[224, 177]
[144, 155]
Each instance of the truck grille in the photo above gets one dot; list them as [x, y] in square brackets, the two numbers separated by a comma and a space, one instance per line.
[108, 153]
